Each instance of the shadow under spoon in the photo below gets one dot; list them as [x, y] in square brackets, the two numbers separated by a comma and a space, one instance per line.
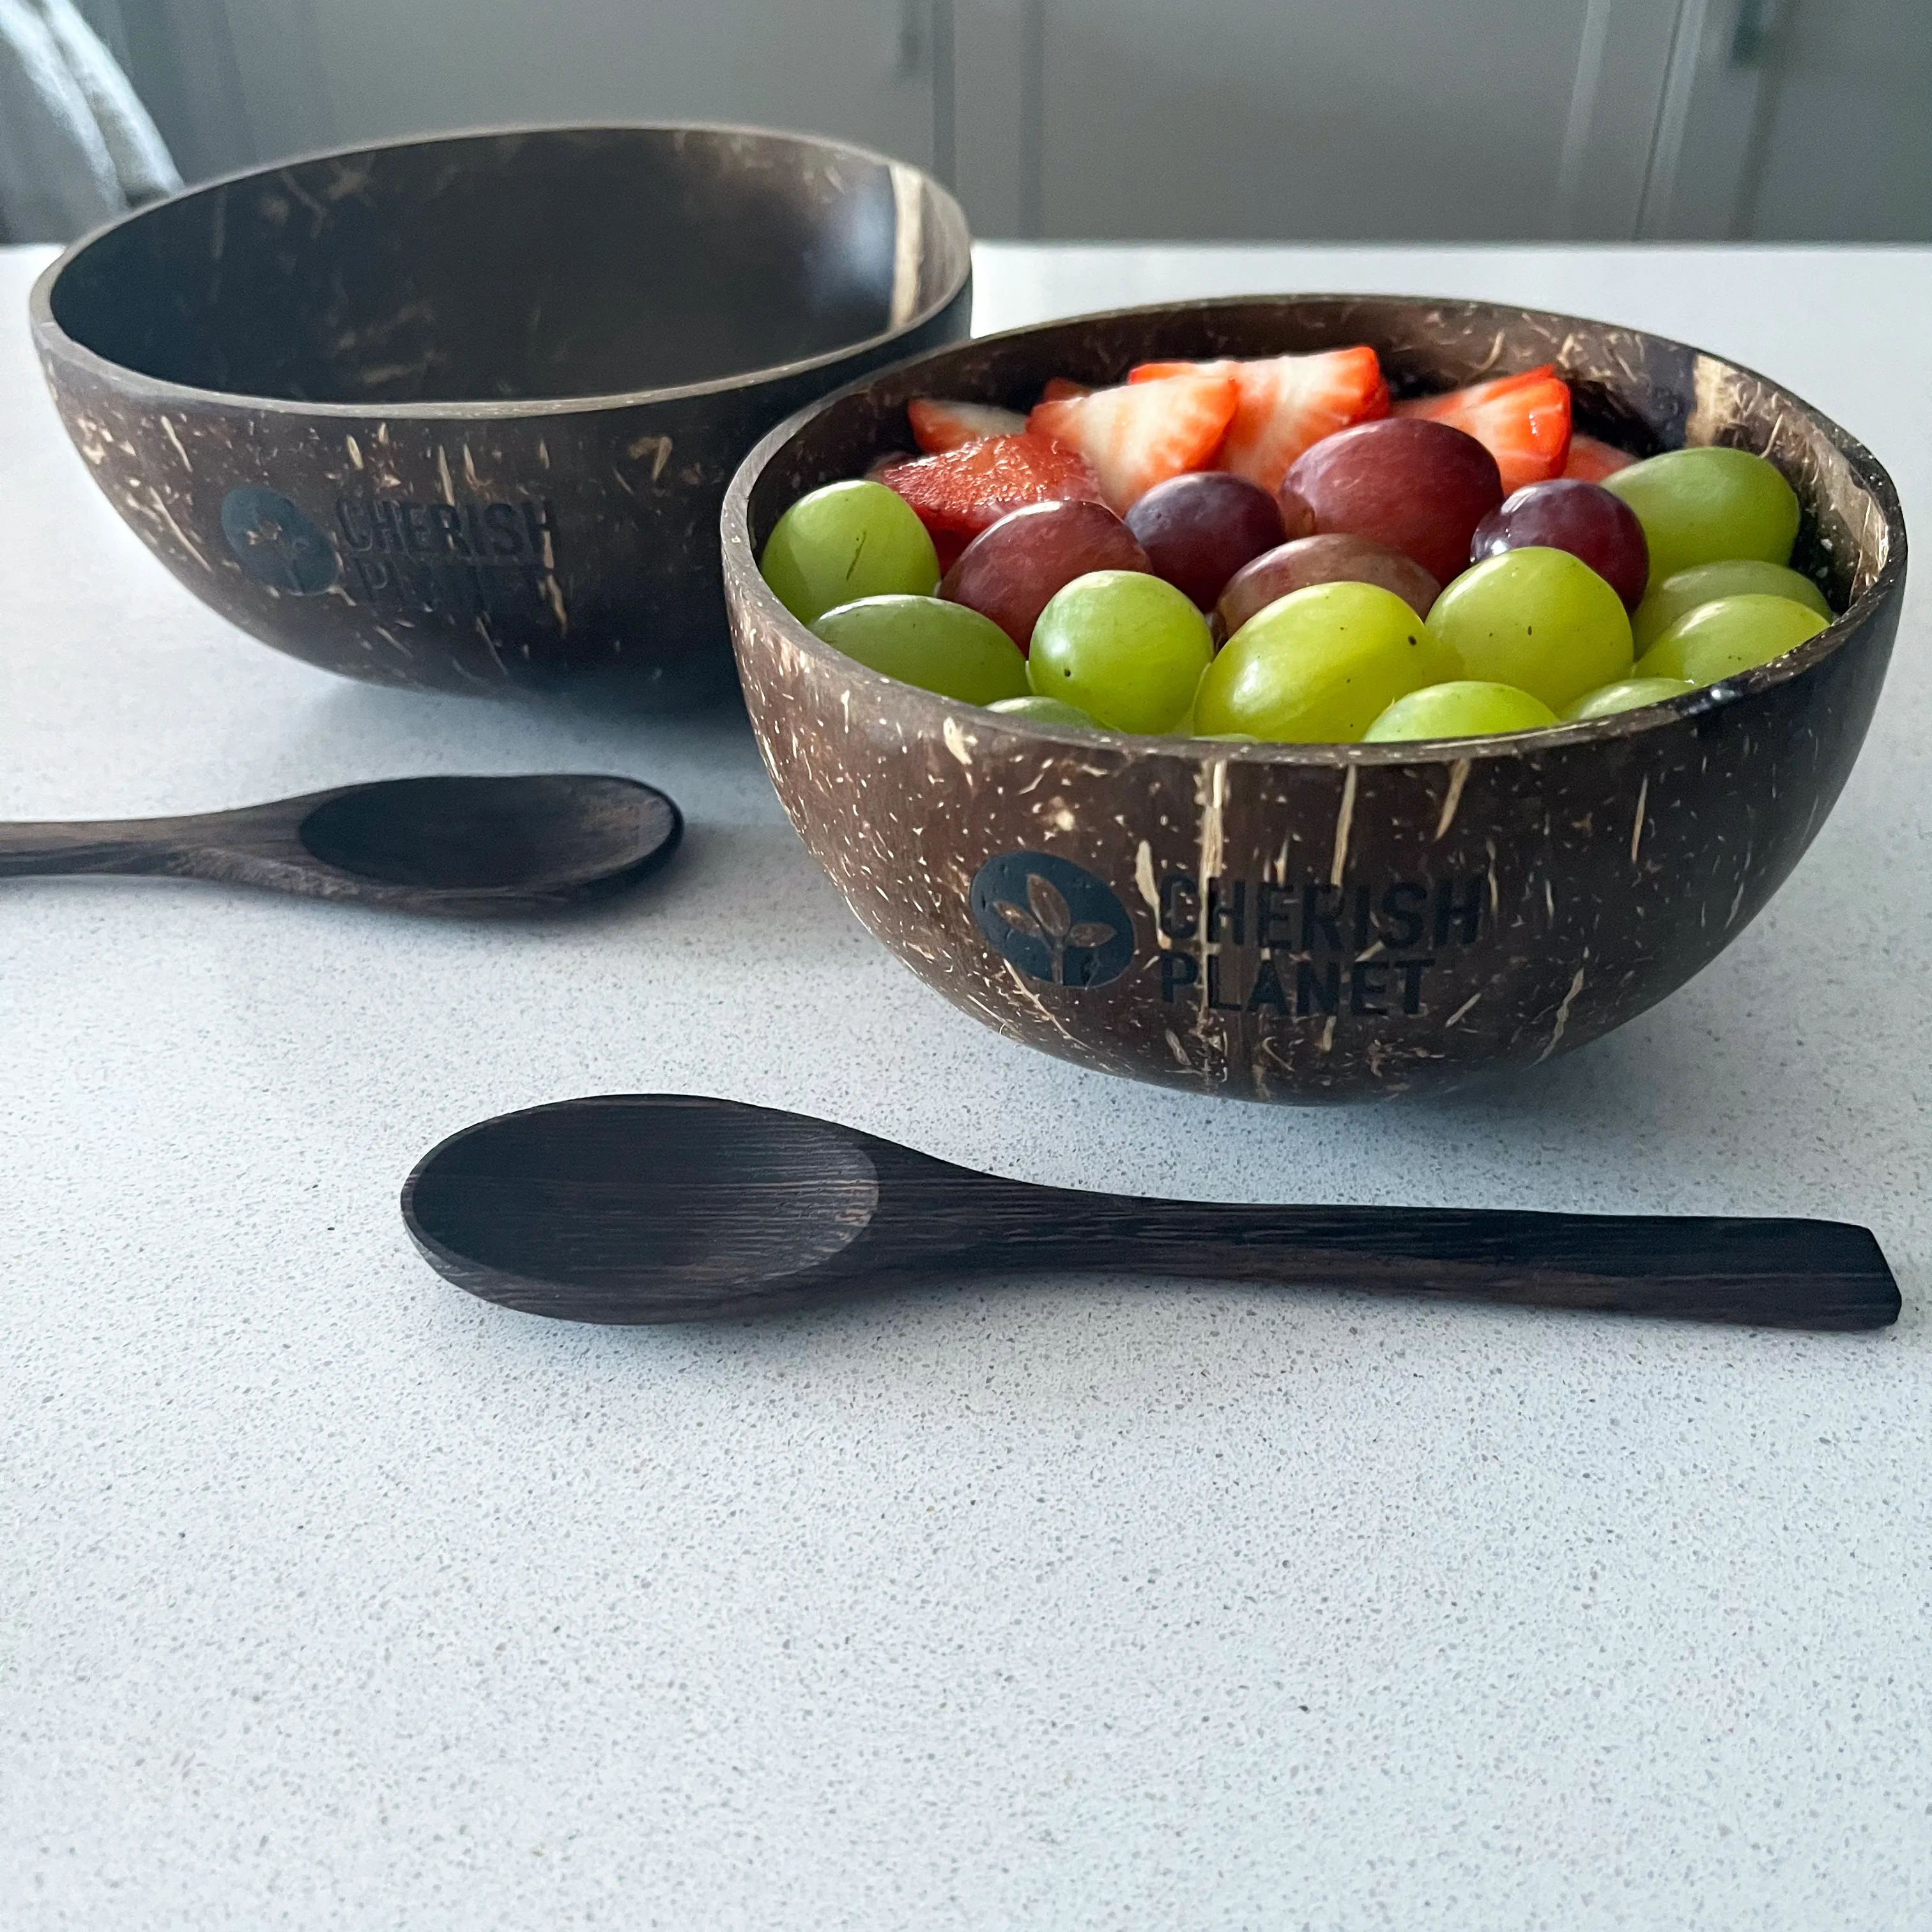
[473, 847]
[669, 1207]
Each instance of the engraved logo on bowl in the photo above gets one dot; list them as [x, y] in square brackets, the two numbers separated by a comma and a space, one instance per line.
[494, 563]
[1052, 919]
[277, 542]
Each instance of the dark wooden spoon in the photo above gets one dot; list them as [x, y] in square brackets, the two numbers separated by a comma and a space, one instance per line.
[492, 846]
[666, 1207]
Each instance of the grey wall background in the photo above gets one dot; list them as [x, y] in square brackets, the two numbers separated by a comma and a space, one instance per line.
[1276, 119]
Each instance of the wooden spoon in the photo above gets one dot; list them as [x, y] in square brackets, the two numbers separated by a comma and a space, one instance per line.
[499, 846]
[666, 1207]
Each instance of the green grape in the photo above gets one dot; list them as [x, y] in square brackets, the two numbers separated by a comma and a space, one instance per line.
[1628, 693]
[1731, 634]
[1538, 619]
[926, 641]
[1704, 582]
[1319, 666]
[1227, 737]
[1042, 711]
[1709, 505]
[1126, 648]
[846, 542]
[1462, 708]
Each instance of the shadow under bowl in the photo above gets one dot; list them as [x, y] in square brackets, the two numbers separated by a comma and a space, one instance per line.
[1321, 922]
[458, 414]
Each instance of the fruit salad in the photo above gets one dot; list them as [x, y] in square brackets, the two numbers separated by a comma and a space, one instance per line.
[1272, 550]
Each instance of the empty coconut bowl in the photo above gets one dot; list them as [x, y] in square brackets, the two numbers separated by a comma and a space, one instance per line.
[458, 413]
[1321, 922]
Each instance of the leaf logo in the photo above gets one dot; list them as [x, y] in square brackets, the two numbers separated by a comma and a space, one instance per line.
[1052, 919]
[277, 542]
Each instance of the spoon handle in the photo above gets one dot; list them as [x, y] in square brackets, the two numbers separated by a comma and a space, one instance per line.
[108, 845]
[1779, 1273]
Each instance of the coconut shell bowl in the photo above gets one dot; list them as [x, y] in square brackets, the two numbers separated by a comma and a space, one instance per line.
[458, 414]
[1315, 923]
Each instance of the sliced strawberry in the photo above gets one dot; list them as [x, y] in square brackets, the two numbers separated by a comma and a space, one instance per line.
[1522, 421]
[1591, 460]
[1142, 432]
[1287, 403]
[1064, 388]
[1284, 404]
[938, 425]
[960, 491]
[1158, 372]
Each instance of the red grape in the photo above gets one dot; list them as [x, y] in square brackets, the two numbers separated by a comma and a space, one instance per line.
[1010, 571]
[1199, 529]
[1298, 519]
[1583, 518]
[1328, 560]
[1420, 487]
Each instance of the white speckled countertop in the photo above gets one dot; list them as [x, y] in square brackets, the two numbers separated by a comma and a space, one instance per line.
[331, 1597]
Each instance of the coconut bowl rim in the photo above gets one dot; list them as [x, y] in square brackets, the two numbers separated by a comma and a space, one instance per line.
[56, 344]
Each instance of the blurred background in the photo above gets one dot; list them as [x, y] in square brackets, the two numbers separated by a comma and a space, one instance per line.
[1392, 120]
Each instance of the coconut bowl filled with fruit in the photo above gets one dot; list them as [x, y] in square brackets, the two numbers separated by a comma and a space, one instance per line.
[1311, 699]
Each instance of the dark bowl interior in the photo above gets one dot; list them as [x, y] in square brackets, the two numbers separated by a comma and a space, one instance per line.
[504, 267]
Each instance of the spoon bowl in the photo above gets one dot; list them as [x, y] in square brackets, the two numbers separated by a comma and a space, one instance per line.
[477, 847]
[672, 1208]
[661, 1203]
[539, 834]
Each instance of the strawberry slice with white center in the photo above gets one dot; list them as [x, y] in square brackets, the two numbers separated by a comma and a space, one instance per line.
[1142, 432]
[1522, 421]
[1285, 404]
[939, 425]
